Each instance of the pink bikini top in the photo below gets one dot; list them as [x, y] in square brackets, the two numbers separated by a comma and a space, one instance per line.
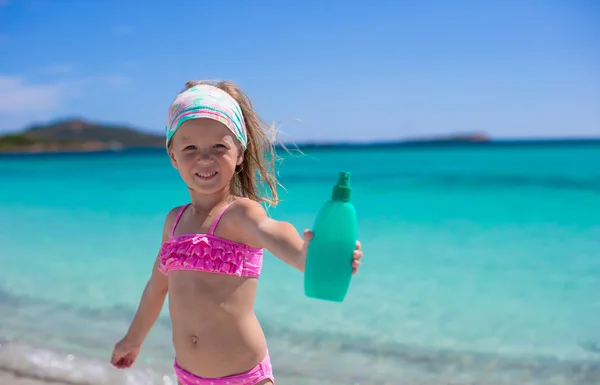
[209, 253]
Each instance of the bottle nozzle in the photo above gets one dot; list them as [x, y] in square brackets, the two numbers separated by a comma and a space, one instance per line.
[342, 190]
[344, 179]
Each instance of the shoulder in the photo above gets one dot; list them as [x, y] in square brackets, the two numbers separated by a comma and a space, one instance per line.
[244, 220]
[169, 221]
[245, 209]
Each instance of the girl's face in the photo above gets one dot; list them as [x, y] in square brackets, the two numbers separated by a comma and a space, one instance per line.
[206, 153]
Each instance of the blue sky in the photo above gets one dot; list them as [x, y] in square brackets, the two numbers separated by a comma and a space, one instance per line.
[329, 70]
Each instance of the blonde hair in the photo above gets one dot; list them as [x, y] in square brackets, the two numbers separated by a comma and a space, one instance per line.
[255, 177]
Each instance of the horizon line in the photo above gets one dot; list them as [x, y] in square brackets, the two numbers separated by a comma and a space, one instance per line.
[473, 137]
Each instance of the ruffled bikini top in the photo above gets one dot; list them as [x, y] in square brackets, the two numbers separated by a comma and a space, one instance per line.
[209, 253]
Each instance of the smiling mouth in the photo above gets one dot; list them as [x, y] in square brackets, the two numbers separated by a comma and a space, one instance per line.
[206, 175]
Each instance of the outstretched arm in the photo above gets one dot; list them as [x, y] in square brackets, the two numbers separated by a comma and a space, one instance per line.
[280, 238]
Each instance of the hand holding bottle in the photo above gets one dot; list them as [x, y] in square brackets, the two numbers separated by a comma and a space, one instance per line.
[333, 253]
[357, 254]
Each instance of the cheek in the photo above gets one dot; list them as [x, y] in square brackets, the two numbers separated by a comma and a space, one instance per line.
[228, 161]
[185, 160]
[229, 155]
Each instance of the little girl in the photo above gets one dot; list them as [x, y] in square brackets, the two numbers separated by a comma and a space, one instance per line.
[212, 248]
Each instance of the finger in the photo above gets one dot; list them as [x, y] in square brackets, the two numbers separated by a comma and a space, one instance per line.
[355, 263]
[118, 363]
[128, 362]
[357, 254]
[307, 234]
[114, 358]
[358, 245]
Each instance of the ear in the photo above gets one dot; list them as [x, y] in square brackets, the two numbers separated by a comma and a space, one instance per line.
[173, 160]
[240, 157]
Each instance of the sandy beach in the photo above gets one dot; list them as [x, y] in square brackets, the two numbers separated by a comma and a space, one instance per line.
[7, 378]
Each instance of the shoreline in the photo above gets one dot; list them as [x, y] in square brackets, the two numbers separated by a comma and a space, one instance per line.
[24, 364]
[8, 378]
[11, 378]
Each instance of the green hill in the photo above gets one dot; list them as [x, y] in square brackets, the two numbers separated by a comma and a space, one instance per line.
[78, 135]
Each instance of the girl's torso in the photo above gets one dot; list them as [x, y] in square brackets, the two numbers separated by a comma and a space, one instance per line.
[212, 286]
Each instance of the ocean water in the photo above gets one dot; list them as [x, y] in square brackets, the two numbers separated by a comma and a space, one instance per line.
[482, 266]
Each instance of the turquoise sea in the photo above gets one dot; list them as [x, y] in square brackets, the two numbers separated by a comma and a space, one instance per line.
[482, 266]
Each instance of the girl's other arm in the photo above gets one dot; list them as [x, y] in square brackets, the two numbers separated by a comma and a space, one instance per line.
[127, 349]
[151, 303]
[154, 295]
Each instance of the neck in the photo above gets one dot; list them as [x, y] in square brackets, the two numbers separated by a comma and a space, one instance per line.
[207, 202]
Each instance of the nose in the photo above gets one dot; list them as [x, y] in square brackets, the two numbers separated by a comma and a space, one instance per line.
[205, 157]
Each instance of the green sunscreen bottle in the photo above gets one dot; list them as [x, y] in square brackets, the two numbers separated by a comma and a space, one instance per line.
[329, 258]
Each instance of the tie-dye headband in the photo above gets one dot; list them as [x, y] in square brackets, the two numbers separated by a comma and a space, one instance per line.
[206, 101]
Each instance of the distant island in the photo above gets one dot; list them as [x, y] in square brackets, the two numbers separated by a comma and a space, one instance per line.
[77, 135]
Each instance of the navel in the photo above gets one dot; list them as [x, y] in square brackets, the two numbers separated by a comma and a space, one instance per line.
[194, 340]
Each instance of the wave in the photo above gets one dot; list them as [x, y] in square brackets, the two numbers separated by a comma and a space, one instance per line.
[45, 364]
[73, 344]
[309, 363]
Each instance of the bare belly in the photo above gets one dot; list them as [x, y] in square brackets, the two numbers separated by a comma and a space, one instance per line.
[215, 330]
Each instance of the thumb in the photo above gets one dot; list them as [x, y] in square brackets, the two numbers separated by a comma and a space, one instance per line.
[117, 354]
[307, 235]
[115, 357]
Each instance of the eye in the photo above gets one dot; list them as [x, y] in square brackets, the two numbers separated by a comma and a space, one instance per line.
[220, 146]
[190, 147]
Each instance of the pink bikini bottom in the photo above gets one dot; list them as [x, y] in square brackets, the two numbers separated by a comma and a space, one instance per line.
[260, 372]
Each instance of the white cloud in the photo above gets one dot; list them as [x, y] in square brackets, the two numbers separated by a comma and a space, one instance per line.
[23, 102]
[18, 96]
